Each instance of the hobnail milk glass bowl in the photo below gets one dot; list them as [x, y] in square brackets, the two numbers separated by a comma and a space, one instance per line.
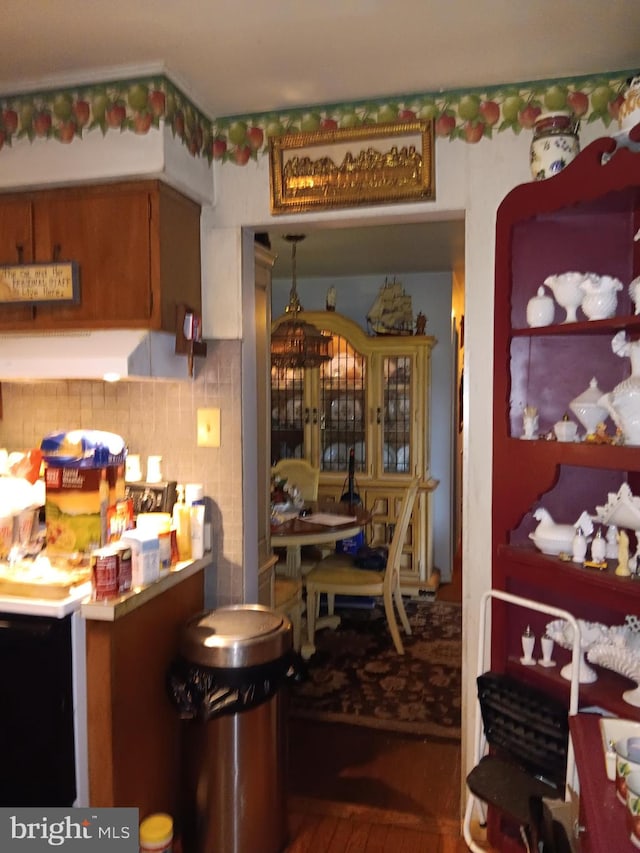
[600, 298]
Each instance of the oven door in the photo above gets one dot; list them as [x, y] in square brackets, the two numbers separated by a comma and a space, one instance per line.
[36, 711]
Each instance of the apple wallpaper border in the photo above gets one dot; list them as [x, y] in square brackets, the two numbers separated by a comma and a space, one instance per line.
[141, 104]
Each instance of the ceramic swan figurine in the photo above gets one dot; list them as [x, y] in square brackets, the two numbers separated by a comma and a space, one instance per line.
[552, 538]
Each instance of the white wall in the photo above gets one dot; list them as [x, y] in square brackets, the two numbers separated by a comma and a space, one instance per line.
[431, 294]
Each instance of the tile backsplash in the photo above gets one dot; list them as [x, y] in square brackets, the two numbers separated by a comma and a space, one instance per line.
[155, 417]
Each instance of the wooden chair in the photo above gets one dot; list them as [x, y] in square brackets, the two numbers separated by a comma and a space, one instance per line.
[299, 473]
[338, 576]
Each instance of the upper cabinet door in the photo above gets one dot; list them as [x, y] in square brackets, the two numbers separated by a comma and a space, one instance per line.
[16, 232]
[289, 414]
[397, 414]
[343, 407]
[108, 235]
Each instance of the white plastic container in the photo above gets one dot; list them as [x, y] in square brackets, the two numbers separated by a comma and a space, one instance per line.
[193, 493]
[145, 556]
[197, 531]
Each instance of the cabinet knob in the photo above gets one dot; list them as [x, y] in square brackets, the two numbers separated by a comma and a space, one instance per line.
[578, 829]
[315, 416]
[378, 415]
[306, 415]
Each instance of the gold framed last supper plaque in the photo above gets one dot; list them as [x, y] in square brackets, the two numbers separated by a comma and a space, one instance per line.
[353, 166]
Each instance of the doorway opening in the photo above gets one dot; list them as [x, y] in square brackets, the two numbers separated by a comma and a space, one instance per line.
[427, 258]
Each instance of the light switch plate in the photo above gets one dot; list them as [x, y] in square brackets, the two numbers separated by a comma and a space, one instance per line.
[208, 427]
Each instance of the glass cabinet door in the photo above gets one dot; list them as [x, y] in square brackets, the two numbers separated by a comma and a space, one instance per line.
[343, 408]
[288, 414]
[397, 393]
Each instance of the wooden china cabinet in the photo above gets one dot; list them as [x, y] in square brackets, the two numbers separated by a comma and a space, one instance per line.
[587, 218]
[373, 395]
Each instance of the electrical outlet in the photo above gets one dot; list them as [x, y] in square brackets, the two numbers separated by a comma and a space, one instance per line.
[208, 427]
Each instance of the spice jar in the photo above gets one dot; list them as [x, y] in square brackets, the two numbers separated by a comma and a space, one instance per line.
[554, 145]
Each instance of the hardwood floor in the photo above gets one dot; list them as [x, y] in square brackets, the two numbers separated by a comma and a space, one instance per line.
[355, 790]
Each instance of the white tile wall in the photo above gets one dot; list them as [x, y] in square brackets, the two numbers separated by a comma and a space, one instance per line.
[155, 417]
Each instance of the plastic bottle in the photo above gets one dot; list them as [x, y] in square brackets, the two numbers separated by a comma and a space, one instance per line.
[197, 531]
[104, 495]
[194, 498]
[182, 525]
[156, 834]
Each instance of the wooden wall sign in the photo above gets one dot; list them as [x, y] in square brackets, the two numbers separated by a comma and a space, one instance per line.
[57, 283]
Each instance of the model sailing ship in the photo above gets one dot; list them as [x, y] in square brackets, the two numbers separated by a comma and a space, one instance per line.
[391, 312]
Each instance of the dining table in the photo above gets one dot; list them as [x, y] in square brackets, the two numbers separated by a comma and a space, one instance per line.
[322, 524]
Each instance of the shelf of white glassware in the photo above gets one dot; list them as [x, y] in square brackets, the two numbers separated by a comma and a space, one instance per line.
[630, 323]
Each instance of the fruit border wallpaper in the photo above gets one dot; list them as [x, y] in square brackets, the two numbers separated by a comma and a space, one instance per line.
[137, 105]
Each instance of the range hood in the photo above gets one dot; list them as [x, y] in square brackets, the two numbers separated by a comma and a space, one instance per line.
[108, 354]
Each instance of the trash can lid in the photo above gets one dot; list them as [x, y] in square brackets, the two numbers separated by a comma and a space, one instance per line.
[240, 635]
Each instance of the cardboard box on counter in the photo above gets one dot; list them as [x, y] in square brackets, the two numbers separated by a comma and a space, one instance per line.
[77, 500]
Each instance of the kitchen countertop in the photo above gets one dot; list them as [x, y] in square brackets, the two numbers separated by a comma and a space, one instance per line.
[58, 607]
[115, 608]
[106, 611]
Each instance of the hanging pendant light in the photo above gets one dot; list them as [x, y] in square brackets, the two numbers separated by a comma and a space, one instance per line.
[295, 343]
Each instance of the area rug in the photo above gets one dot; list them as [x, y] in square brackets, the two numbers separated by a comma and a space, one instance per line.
[356, 676]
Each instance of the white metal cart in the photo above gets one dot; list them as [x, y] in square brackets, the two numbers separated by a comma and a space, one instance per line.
[480, 740]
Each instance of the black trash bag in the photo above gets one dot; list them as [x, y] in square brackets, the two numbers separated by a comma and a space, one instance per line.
[202, 692]
[371, 558]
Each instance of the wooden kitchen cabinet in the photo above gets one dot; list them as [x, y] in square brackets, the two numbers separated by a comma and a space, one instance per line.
[137, 245]
[373, 395]
[585, 219]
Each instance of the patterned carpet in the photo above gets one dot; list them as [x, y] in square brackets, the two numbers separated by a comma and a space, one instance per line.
[356, 676]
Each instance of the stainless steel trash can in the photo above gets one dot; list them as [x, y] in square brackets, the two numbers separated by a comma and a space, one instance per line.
[235, 661]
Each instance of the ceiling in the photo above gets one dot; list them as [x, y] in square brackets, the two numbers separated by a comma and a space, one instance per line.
[374, 250]
[247, 56]
[238, 57]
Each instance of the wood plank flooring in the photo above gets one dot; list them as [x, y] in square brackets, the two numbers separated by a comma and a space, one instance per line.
[355, 790]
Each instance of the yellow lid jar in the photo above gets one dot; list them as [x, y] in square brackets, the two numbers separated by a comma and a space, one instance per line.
[156, 834]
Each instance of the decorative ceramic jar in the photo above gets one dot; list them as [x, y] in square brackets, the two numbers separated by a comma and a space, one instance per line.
[587, 409]
[623, 403]
[634, 293]
[554, 145]
[565, 430]
[600, 296]
[567, 291]
[540, 309]
[629, 113]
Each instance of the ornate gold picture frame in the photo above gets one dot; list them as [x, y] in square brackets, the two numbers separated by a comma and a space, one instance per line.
[353, 166]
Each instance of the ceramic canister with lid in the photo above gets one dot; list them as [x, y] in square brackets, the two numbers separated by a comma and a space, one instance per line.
[586, 407]
[554, 145]
[540, 309]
